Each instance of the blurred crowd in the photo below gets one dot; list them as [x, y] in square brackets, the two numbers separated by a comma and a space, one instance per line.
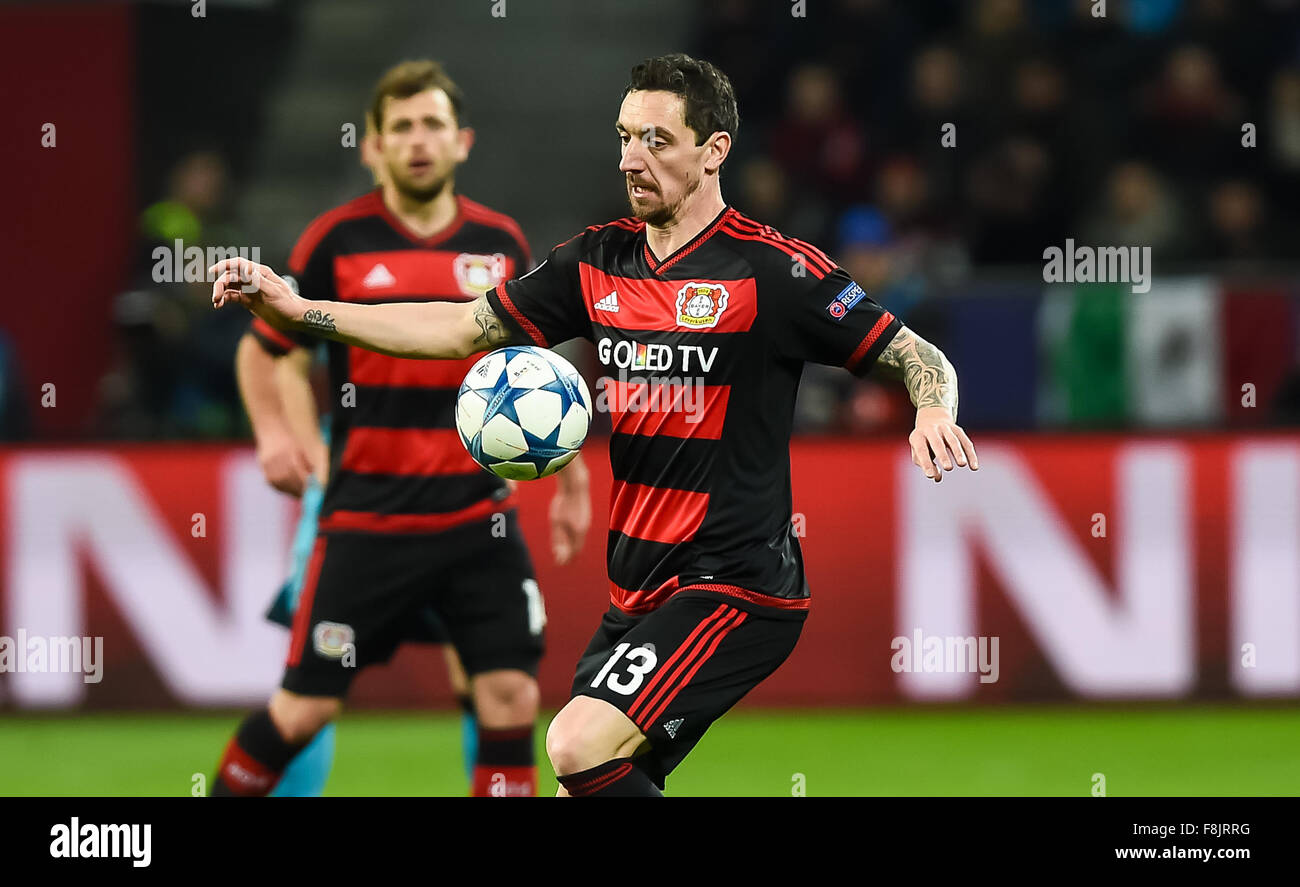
[919, 142]
[1127, 128]
[172, 374]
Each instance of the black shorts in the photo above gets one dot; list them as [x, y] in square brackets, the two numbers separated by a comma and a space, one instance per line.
[677, 669]
[427, 629]
[364, 594]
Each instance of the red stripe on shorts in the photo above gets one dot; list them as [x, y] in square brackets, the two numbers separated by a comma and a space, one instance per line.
[741, 616]
[302, 617]
[681, 650]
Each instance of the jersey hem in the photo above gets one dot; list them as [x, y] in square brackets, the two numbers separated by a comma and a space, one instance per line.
[374, 523]
[742, 598]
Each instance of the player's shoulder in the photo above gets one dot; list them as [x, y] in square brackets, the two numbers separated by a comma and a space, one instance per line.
[626, 227]
[768, 251]
[597, 241]
[482, 216]
[368, 204]
[613, 233]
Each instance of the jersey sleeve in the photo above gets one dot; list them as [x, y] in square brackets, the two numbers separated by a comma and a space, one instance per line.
[833, 321]
[311, 275]
[545, 305]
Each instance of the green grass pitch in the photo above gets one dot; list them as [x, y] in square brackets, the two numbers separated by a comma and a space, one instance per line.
[932, 751]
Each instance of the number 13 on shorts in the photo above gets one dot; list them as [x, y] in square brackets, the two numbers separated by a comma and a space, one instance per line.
[641, 661]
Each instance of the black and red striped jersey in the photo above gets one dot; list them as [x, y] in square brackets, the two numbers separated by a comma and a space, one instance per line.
[702, 351]
[396, 463]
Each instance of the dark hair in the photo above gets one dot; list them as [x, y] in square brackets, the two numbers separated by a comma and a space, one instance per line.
[706, 92]
[406, 79]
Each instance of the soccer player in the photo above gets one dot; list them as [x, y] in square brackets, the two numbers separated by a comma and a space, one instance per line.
[304, 475]
[408, 519]
[707, 581]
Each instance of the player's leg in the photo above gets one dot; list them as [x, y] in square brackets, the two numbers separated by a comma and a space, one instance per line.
[268, 739]
[428, 629]
[505, 701]
[468, 719]
[591, 744]
[493, 610]
[670, 676]
[306, 775]
[355, 590]
[591, 738]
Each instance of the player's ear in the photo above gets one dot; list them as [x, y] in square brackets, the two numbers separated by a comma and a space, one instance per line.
[372, 149]
[465, 141]
[717, 148]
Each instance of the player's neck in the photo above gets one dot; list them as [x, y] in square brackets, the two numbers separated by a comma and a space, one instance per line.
[424, 217]
[676, 234]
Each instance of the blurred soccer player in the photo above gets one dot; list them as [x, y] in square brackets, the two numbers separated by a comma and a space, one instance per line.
[708, 594]
[308, 772]
[408, 522]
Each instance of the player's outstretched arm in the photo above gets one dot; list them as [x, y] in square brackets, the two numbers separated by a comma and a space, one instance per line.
[401, 329]
[931, 382]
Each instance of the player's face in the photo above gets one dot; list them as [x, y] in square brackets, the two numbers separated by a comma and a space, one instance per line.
[422, 144]
[661, 163]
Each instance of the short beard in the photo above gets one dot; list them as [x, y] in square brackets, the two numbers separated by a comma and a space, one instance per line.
[419, 194]
[655, 218]
[665, 214]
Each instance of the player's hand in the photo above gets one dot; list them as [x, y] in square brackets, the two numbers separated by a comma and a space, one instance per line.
[938, 442]
[257, 288]
[570, 518]
[285, 463]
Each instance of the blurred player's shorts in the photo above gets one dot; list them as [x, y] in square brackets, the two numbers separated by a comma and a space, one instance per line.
[429, 628]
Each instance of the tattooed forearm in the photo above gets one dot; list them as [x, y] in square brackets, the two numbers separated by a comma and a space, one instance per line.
[930, 379]
[494, 332]
[315, 319]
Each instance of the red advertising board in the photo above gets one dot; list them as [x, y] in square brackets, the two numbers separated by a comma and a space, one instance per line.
[1068, 567]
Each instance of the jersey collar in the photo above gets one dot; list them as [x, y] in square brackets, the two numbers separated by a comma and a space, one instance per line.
[685, 249]
[434, 239]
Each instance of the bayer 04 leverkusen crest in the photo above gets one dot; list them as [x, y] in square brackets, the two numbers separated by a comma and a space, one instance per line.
[476, 274]
[701, 304]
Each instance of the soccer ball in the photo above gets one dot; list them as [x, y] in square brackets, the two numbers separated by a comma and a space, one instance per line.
[522, 412]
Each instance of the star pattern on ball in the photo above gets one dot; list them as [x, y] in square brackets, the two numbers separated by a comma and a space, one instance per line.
[522, 412]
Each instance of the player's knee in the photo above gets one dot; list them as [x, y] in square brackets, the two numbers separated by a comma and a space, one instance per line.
[565, 746]
[299, 718]
[588, 732]
[506, 697]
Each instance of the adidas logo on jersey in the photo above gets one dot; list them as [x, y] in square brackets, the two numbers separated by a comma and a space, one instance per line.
[379, 276]
[671, 727]
[609, 303]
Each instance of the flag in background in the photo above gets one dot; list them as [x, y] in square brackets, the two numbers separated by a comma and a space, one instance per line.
[1177, 355]
[1259, 329]
[1081, 336]
[1174, 342]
